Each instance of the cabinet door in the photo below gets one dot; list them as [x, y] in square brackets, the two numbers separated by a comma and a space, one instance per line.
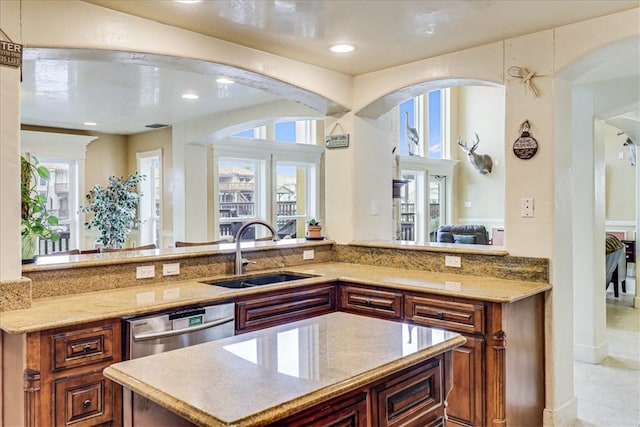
[371, 302]
[82, 401]
[275, 308]
[341, 412]
[466, 401]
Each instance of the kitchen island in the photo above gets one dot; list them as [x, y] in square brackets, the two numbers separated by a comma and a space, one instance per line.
[336, 365]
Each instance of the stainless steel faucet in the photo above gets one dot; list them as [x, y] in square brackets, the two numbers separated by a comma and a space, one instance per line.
[239, 260]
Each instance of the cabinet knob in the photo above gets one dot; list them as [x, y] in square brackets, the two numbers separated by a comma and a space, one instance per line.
[86, 348]
[440, 315]
[86, 404]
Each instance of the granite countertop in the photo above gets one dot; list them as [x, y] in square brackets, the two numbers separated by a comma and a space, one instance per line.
[62, 262]
[231, 382]
[52, 312]
[458, 248]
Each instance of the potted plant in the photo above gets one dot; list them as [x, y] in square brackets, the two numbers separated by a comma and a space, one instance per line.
[36, 221]
[314, 230]
[114, 209]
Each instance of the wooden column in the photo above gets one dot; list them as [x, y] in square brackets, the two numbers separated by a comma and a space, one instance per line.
[31, 398]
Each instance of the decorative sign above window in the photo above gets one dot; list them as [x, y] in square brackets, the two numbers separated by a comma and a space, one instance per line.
[526, 146]
[10, 52]
[336, 141]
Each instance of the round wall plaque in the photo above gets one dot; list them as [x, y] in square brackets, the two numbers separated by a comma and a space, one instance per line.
[525, 146]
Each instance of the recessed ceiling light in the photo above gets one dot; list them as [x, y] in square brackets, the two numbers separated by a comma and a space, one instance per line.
[342, 48]
[90, 124]
[190, 96]
[223, 80]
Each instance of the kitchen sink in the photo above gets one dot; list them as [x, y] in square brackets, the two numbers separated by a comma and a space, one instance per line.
[259, 280]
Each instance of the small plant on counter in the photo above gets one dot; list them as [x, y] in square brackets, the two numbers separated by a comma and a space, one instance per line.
[114, 209]
[314, 230]
[36, 221]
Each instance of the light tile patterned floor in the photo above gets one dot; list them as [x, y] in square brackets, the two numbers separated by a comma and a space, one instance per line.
[609, 393]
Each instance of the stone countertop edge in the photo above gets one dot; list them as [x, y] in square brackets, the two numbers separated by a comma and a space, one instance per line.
[48, 262]
[455, 248]
[78, 309]
[295, 405]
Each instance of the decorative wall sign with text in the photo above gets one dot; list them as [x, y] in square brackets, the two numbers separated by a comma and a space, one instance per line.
[336, 141]
[10, 52]
[526, 146]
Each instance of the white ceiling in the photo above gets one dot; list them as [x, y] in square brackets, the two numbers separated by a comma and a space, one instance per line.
[123, 98]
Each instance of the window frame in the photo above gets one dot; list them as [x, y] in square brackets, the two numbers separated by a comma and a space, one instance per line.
[271, 153]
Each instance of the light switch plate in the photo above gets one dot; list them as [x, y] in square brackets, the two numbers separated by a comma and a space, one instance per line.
[172, 269]
[526, 207]
[308, 254]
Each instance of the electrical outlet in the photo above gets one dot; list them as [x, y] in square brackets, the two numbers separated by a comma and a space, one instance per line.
[308, 254]
[452, 261]
[171, 269]
[526, 207]
[145, 272]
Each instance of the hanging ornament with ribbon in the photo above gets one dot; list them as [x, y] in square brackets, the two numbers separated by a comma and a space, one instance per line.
[526, 146]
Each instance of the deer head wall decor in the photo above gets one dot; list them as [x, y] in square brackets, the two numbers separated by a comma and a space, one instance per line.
[481, 162]
[631, 146]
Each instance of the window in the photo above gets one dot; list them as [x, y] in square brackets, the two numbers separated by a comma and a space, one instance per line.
[426, 114]
[424, 201]
[274, 181]
[64, 156]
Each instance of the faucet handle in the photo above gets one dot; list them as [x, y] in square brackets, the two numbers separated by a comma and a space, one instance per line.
[246, 261]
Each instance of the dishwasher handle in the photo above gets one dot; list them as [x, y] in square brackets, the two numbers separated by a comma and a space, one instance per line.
[164, 334]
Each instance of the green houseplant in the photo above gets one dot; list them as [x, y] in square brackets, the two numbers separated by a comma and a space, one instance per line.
[114, 209]
[36, 221]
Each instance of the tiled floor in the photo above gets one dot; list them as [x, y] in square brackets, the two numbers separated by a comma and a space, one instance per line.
[609, 393]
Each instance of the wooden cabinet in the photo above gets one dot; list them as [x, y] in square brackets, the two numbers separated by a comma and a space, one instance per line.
[63, 383]
[277, 307]
[494, 383]
[344, 411]
[413, 397]
[386, 304]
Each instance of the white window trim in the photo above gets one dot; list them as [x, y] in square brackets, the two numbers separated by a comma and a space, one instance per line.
[270, 152]
[68, 147]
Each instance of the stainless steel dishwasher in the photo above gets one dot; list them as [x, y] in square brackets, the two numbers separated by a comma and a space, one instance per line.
[170, 331]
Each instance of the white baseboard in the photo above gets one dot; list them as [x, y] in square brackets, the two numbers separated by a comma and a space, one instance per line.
[564, 416]
[591, 354]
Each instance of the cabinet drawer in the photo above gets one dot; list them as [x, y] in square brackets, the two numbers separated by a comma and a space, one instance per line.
[340, 412]
[413, 399]
[371, 302]
[455, 316]
[82, 347]
[284, 307]
[86, 400]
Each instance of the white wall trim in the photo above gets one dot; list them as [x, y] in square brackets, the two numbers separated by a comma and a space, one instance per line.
[563, 416]
[614, 223]
[589, 353]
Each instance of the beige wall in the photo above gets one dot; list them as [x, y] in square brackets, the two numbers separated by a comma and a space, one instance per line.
[106, 156]
[621, 191]
[479, 109]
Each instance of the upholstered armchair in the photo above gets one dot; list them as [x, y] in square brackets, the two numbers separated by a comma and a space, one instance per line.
[469, 234]
[616, 266]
